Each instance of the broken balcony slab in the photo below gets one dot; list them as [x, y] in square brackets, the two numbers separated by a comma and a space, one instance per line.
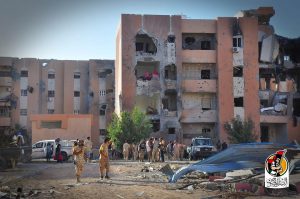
[250, 155]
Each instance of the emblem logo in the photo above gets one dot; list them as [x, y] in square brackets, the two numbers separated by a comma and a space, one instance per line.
[277, 170]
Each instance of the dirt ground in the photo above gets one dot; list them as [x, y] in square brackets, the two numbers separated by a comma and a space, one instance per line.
[57, 180]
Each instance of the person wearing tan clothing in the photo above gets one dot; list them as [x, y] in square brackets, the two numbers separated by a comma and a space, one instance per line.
[126, 147]
[104, 158]
[78, 152]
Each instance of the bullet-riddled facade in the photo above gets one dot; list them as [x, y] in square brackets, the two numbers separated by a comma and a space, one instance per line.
[190, 76]
[31, 89]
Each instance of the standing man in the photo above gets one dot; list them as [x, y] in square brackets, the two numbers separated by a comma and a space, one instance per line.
[155, 152]
[162, 148]
[88, 149]
[126, 147]
[149, 147]
[141, 150]
[104, 158]
[78, 152]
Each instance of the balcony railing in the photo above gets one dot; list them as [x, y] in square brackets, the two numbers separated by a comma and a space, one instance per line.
[204, 85]
[147, 87]
[5, 121]
[198, 115]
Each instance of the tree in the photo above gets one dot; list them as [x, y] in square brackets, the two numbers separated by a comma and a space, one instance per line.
[240, 131]
[131, 126]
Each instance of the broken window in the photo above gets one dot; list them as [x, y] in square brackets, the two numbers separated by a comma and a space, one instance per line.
[50, 111]
[206, 130]
[51, 93]
[5, 74]
[145, 44]
[170, 101]
[239, 102]
[205, 74]
[171, 39]
[264, 134]
[24, 73]
[264, 103]
[171, 131]
[237, 72]
[268, 83]
[76, 93]
[155, 125]
[4, 111]
[51, 76]
[171, 72]
[23, 92]
[77, 75]
[102, 132]
[102, 112]
[198, 41]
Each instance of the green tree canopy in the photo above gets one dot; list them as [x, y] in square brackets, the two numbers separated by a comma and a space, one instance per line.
[131, 126]
[240, 131]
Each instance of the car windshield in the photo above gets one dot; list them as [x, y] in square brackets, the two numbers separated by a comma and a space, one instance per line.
[199, 142]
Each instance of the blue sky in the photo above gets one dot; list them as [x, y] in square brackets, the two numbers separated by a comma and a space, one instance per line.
[86, 29]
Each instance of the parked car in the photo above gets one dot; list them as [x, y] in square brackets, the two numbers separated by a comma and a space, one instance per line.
[39, 149]
[200, 148]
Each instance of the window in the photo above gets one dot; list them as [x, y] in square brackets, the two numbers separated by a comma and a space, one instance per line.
[76, 93]
[24, 92]
[77, 75]
[237, 41]
[239, 102]
[51, 75]
[237, 72]
[102, 131]
[205, 45]
[51, 124]
[76, 112]
[5, 74]
[205, 74]
[206, 104]
[139, 46]
[4, 111]
[23, 112]
[102, 112]
[50, 111]
[38, 145]
[206, 130]
[171, 131]
[102, 93]
[24, 73]
[51, 93]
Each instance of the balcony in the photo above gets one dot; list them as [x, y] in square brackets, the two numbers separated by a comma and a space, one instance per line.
[274, 119]
[6, 81]
[170, 84]
[5, 121]
[198, 116]
[195, 86]
[148, 87]
[199, 56]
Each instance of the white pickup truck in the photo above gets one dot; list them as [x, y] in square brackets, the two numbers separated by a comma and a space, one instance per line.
[39, 149]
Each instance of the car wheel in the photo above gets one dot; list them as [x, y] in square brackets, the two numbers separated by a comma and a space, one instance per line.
[65, 156]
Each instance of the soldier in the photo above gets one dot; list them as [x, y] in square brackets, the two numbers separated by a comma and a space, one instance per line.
[104, 158]
[141, 150]
[78, 152]
[126, 147]
[88, 148]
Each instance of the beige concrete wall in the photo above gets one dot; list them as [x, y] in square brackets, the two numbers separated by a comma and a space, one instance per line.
[206, 85]
[198, 26]
[199, 56]
[73, 127]
[198, 116]
[273, 119]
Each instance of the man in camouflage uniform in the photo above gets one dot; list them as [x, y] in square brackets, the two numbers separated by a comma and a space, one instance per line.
[104, 158]
[78, 152]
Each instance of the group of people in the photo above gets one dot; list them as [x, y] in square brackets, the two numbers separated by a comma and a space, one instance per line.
[155, 150]
[81, 153]
[221, 147]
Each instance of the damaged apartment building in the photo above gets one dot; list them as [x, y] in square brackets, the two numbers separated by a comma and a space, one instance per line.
[52, 99]
[190, 76]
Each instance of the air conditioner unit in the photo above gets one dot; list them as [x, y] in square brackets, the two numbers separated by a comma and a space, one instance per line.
[235, 49]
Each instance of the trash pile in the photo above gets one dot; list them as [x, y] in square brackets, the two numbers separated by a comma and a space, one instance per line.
[237, 170]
